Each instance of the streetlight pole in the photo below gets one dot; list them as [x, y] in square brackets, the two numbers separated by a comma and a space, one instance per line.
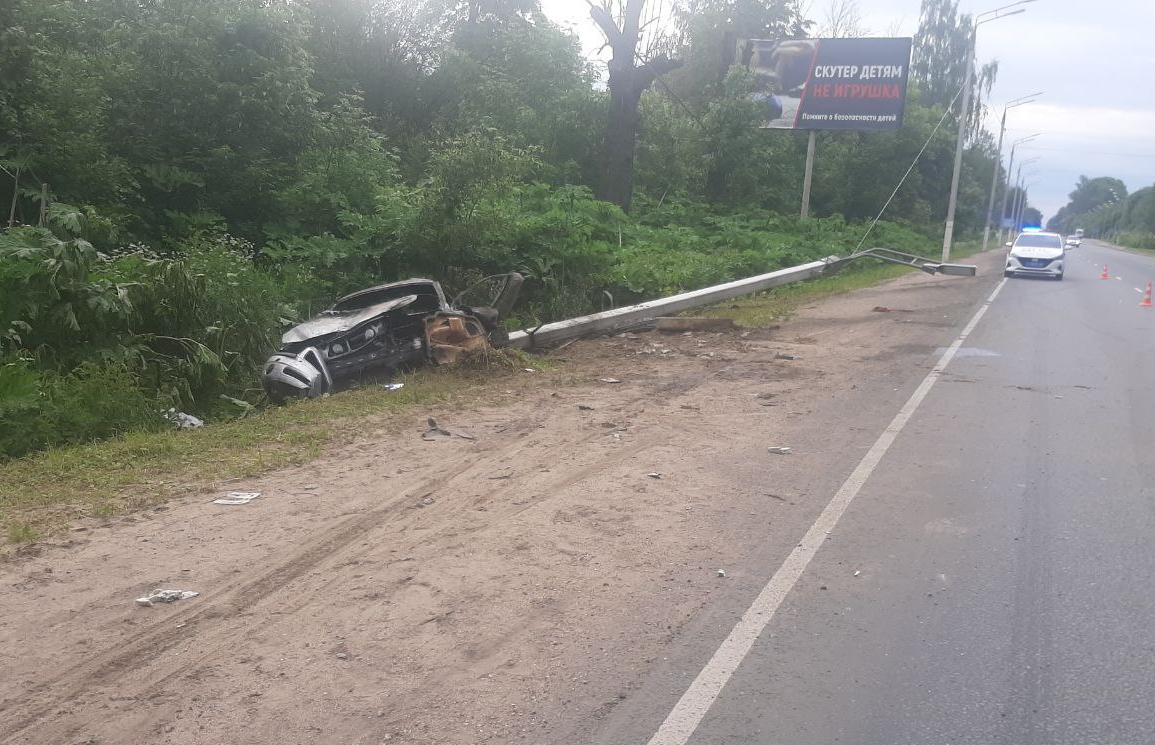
[999, 164]
[1023, 205]
[1010, 168]
[964, 114]
[1021, 200]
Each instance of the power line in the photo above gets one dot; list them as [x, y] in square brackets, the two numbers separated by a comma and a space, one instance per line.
[1090, 152]
[906, 175]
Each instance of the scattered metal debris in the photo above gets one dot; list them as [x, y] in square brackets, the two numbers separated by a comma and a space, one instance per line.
[237, 497]
[780, 451]
[165, 596]
[437, 432]
[721, 572]
[654, 475]
[608, 380]
[183, 420]
[781, 356]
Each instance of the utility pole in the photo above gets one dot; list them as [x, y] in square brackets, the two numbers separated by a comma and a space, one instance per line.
[964, 115]
[960, 142]
[1010, 168]
[808, 176]
[999, 163]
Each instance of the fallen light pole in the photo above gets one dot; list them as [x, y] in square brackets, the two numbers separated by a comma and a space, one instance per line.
[632, 316]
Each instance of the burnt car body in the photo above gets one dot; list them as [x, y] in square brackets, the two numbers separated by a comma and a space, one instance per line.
[383, 328]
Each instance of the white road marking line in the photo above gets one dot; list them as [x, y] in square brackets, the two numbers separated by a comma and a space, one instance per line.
[688, 713]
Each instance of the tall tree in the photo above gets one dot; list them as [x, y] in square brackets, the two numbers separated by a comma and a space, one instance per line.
[630, 76]
[943, 47]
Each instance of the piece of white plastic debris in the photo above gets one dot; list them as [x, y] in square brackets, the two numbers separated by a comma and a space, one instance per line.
[183, 420]
[780, 451]
[237, 497]
[529, 369]
[165, 596]
[608, 380]
[654, 475]
[857, 572]
[393, 386]
[721, 572]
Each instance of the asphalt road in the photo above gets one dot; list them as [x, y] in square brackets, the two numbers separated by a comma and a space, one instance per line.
[993, 583]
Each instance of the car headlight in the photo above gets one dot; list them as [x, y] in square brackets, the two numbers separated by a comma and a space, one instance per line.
[336, 349]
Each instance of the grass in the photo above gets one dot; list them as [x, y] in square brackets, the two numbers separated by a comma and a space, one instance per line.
[759, 311]
[41, 494]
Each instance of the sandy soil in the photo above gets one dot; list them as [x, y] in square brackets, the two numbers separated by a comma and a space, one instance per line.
[507, 589]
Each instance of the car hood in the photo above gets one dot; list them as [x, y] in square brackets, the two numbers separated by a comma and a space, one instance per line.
[1036, 252]
[335, 322]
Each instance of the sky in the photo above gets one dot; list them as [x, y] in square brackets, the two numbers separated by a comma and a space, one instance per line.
[1095, 62]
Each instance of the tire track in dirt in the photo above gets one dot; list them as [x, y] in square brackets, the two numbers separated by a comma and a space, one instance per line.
[233, 601]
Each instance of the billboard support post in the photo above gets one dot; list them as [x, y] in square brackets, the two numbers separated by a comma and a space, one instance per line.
[808, 177]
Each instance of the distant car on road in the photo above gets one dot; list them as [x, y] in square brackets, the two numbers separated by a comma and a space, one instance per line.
[1035, 254]
[1073, 241]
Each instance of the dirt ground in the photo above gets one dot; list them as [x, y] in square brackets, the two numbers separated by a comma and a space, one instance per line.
[511, 588]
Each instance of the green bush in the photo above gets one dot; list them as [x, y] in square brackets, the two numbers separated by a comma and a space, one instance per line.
[1145, 241]
[93, 402]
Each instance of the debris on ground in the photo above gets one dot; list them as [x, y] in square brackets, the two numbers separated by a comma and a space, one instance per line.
[654, 475]
[781, 356]
[857, 572]
[678, 324]
[884, 309]
[780, 451]
[393, 386]
[165, 596]
[183, 420]
[426, 501]
[436, 432]
[608, 380]
[721, 572]
[584, 407]
[245, 406]
[237, 497]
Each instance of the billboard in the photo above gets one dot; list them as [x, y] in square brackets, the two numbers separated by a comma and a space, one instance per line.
[857, 84]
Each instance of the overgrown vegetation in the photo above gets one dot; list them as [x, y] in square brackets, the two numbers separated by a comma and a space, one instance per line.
[1103, 209]
[186, 179]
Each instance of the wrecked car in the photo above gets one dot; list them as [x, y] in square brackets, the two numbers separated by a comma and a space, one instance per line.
[384, 328]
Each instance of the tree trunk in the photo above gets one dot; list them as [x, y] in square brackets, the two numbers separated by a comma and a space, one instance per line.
[627, 82]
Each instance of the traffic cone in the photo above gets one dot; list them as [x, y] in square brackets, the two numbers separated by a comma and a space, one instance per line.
[1106, 274]
[1146, 298]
